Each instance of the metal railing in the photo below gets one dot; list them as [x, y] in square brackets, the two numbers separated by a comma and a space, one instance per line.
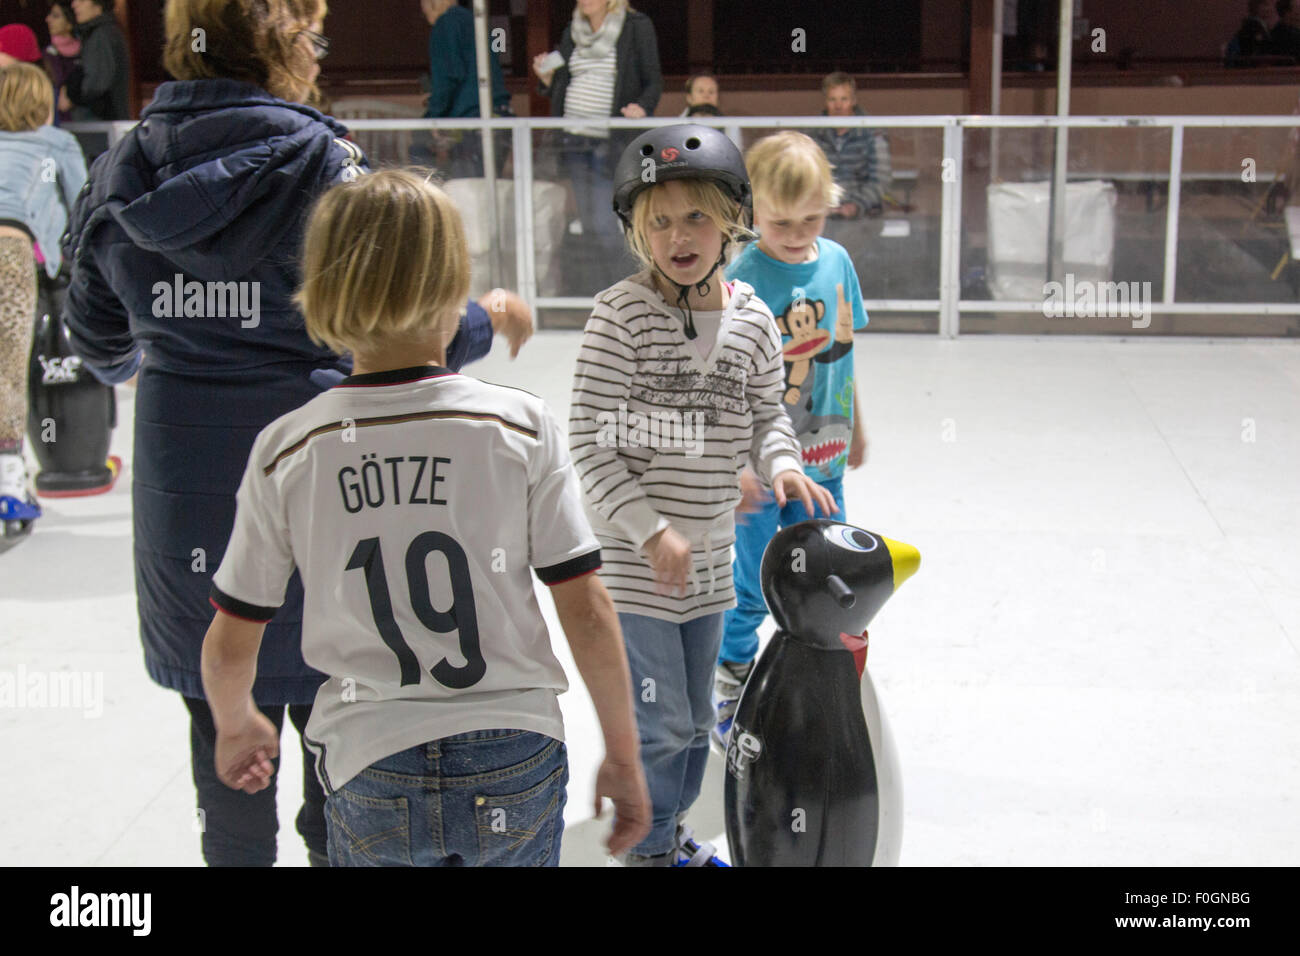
[949, 306]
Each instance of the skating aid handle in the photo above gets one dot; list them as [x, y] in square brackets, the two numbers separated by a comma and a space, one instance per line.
[844, 597]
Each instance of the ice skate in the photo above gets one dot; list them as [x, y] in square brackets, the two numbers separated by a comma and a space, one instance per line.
[691, 852]
[728, 682]
[18, 508]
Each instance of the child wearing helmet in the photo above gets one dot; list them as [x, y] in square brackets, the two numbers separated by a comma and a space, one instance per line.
[679, 383]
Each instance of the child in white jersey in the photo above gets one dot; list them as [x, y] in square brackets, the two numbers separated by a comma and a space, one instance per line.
[414, 502]
[678, 384]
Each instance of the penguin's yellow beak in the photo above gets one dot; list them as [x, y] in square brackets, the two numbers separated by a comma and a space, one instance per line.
[905, 559]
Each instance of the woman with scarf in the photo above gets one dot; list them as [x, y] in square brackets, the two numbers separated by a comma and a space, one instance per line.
[64, 52]
[212, 189]
[607, 64]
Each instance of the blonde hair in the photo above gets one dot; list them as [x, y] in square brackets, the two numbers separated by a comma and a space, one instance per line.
[384, 258]
[255, 41]
[702, 194]
[26, 98]
[787, 168]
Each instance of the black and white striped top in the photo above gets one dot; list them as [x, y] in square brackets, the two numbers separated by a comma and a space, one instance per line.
[591, 90]
[659, 436]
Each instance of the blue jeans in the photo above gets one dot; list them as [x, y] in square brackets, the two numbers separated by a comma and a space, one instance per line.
[484, 798]
[588, 164]
[672, 676]
[753, 532]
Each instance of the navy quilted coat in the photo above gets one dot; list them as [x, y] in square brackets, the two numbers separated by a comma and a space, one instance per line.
[214, 185]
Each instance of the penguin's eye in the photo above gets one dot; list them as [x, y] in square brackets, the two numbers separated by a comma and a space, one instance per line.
[855, 539]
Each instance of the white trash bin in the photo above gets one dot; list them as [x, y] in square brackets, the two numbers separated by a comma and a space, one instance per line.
[1017, 265]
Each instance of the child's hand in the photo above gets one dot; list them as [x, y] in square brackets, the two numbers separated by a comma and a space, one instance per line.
[858, 447]
[670, 556]
[624, 784]
[243, 755]
[510, 317]
[752, 495]
[791, 484]
[791, 396]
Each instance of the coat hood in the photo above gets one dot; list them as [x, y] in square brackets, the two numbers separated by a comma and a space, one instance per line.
[214, 172]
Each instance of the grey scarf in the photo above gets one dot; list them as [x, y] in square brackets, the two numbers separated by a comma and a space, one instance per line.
[595, 45]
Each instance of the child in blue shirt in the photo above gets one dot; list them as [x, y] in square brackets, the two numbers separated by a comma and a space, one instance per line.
[811, 287]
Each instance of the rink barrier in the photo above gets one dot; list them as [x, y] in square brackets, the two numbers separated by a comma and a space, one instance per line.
[949, 306]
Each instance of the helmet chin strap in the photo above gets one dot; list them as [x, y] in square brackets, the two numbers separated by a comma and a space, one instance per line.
[684, 291]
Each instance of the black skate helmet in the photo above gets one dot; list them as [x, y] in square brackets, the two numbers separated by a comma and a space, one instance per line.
[681, 151]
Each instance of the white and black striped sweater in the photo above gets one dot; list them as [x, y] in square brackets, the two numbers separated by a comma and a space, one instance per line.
[644, 464]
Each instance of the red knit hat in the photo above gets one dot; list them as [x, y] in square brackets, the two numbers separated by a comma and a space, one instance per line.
[20, 43]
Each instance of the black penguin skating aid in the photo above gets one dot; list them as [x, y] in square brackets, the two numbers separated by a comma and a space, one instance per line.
[70, 415]
[812, 777]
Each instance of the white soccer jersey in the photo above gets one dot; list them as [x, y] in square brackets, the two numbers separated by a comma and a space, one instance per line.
[413, 502]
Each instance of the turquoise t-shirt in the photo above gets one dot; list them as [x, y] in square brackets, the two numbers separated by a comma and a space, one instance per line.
[817, 306]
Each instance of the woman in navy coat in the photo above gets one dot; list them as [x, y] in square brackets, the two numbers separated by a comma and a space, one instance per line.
[184, 248]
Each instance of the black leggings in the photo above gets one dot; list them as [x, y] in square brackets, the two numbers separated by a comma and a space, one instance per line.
[238, 828]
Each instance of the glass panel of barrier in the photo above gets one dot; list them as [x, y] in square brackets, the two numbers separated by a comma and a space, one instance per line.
[1233, 244]
[578, 245]
[1233, 241]
[457, 156]
[1114, 231]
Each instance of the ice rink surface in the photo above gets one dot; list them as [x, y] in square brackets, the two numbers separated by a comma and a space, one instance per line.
[1096, 664]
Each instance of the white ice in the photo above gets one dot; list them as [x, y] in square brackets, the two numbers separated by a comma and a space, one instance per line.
[1096, 664]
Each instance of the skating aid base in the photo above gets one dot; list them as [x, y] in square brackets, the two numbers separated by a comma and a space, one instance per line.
[95, 481]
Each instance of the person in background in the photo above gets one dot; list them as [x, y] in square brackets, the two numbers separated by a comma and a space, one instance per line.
[64, 52]
[97, 88]
[18, 44]
[453, 65]
[33, 212]
[858, 156]
[607, 64]
[453, 84]
[701, 90]
[1284, 39]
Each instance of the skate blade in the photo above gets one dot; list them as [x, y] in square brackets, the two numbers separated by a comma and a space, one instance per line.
[11, 536]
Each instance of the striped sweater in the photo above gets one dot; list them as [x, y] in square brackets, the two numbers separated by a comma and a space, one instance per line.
[659, 435]
[859, 161]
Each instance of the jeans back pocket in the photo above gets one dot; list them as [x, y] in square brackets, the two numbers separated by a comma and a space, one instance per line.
[368, 831]
[523, 828]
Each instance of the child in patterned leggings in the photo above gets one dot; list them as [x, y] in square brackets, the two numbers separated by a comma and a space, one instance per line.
[41, 172]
